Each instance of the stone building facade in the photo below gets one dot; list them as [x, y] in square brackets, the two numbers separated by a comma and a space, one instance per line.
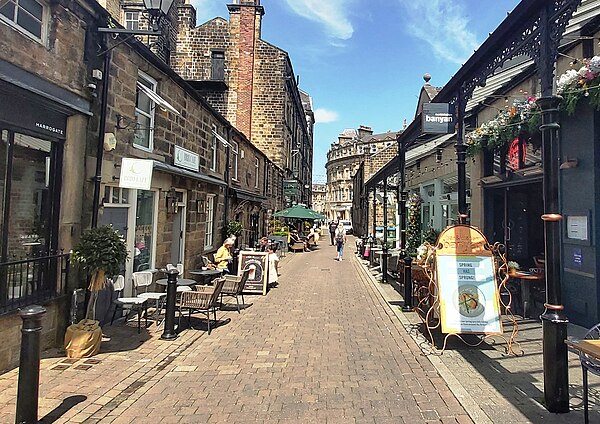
[319, 198]
[65, 145]
[352, 147]
[251, 82]
[45, 109]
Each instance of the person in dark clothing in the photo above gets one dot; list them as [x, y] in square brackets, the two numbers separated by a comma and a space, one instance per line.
[332, 228]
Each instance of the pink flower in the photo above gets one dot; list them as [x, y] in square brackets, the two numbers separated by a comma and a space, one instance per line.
[589, 75]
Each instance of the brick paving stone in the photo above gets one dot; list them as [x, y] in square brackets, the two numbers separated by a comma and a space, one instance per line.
[322, 347]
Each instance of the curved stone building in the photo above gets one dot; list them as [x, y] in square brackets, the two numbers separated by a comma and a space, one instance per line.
[343, 160]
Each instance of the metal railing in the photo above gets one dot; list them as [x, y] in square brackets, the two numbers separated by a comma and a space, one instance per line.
[33, 280]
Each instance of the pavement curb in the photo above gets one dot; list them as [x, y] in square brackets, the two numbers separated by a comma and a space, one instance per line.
[460, 392]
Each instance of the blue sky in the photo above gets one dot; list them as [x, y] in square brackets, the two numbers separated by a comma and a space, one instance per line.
[363, 61]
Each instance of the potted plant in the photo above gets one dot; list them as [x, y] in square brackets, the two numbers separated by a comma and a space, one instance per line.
[233, 228]
[100, 252]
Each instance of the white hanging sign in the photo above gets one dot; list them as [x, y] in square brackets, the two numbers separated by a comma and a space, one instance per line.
[136, 173]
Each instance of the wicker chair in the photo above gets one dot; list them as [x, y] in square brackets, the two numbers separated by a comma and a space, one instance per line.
[589, 363]
[234, 287]
[203, 299]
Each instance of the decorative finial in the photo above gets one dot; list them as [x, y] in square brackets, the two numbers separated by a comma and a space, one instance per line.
[427, 77]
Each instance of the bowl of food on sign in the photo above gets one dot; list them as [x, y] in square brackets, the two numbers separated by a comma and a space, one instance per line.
[470, 301]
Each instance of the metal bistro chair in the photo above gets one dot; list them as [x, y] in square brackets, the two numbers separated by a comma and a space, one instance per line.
[138, 303]
[590, 364]
[234, 287]
[142, 281]
[203, 299]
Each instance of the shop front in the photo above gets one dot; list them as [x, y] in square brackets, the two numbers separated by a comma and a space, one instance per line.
[33, 135]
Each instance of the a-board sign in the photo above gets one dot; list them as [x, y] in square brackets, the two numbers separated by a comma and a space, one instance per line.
[466, 282]
[257, 262]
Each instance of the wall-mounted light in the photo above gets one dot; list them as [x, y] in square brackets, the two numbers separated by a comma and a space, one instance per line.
[438, 155]
[171, 200]
[569, 163]
[199, 206]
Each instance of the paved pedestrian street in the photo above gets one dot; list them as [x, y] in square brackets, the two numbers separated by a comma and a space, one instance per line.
[327, 345]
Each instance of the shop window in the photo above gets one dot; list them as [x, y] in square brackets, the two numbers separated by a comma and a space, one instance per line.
[28, 211]
[145, 233]
[116, 195]
[210, 221]
[234, 160]
[132, 20]
[27, 16]
[144, 112]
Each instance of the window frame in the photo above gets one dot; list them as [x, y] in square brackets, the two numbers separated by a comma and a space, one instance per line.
[214, 148]
[210, 221]
[127, 21]
[153, 83]
[43, 23]
[234, 160]
[256, 171]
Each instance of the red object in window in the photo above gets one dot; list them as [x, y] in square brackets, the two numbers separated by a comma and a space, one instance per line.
[513, 154]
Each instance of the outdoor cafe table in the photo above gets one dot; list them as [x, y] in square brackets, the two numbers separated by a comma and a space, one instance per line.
[590, 347]
[526, 279]
[207, 274]
[180, 282]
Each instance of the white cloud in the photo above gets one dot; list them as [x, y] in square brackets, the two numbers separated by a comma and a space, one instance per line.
[443, 25]
[333, 14]
[324, 116]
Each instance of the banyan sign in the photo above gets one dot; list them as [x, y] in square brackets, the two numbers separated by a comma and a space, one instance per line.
[466, 281]
[438, 118]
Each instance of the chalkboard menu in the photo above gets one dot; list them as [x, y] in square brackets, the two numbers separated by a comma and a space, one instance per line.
[257, 262]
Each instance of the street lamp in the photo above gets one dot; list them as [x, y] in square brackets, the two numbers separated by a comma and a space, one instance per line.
[155, 9]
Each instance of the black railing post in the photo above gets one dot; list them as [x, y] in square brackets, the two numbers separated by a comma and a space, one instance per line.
[374, 224]
[554, 319]
[169, 332]
[29, 365]
[384, 250]
[408, 286]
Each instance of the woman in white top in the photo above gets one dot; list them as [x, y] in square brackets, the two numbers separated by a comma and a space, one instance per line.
[340, 241]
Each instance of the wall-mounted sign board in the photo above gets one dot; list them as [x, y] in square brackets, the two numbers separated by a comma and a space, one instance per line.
[257, 262]
[466, 282]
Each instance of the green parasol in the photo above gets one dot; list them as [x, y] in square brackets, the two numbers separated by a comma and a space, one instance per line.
[298, 212]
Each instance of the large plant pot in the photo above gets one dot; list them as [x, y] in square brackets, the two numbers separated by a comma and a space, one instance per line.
[83, 339]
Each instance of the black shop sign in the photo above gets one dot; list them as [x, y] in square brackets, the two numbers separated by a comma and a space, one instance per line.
[257, 262]
[438, 118]
[34, 117]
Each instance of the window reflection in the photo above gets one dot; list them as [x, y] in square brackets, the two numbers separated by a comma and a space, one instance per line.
[144, 232]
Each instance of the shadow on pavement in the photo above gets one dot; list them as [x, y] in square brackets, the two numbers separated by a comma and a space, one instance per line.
[61, 409]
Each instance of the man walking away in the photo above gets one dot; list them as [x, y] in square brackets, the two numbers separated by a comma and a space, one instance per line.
[340, 240]
[332, 228]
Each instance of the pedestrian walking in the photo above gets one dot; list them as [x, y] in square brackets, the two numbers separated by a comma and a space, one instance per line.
[340, 240]
[332, 227]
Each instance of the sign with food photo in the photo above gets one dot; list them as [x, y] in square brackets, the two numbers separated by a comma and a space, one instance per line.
[468, 294]
[469, 301]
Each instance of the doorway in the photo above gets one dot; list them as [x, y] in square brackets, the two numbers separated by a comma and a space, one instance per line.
[513, 217]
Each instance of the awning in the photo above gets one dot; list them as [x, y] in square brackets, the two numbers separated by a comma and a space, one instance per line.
[248, 195]
[161, 166]
[156, 98]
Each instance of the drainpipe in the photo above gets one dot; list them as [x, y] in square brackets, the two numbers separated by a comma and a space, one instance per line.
[226, 177]
[101, 132]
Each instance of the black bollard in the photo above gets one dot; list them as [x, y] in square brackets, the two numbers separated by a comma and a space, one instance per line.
[169, 333]
[408, 287]
[29, 365]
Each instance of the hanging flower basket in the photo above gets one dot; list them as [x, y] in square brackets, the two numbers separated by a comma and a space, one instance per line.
[576, 85]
